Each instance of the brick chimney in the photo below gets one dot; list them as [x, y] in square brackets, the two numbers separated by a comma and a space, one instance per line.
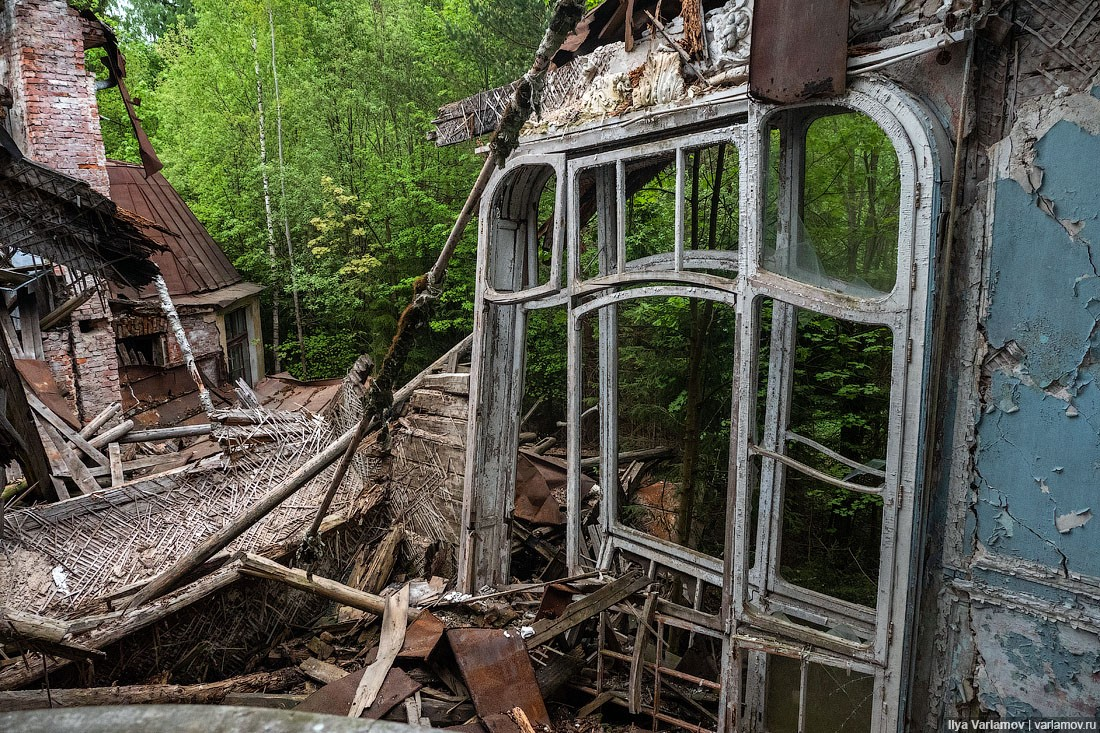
[54, 118]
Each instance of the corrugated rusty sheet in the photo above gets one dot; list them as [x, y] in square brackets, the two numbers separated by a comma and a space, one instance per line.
[799, 49]
[497, 670]
[194, 262]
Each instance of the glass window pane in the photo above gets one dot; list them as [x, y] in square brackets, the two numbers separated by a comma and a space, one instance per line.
[837, 422]
[837, 700]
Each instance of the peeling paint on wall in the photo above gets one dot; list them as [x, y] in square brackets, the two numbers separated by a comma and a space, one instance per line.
[1034, 667]
[1039, 441]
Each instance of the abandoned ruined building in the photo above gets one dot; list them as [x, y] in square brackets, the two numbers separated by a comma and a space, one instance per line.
[104, 335]
[780, 412]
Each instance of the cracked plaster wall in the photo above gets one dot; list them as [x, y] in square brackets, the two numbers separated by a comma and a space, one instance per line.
[1034, 576]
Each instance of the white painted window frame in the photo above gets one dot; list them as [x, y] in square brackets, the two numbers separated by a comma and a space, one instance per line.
[749, 593]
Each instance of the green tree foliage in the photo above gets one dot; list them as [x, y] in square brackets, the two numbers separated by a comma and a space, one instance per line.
[369, 199]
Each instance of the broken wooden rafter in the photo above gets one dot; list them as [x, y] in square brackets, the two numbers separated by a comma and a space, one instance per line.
[100, 420]
[585, 608]
[43, 411]
[40, 633]
[112, 435]
[394, 622]
[156, 435]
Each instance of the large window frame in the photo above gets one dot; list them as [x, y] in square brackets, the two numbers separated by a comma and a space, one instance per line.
[752, 591]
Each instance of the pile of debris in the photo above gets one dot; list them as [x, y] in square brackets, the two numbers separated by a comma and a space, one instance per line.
[259, 622]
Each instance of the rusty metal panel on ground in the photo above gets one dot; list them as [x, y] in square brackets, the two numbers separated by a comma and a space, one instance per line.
[497, 669]
[799, 49]
[335, 698]
[555, 599]
[421, 637]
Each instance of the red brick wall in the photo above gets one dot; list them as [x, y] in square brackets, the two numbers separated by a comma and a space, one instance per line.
[55, 118]
[84, 360]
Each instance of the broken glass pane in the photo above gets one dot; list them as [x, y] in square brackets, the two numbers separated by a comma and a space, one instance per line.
[837, 423]
[836, 700]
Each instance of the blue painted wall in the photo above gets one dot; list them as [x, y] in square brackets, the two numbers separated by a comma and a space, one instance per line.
[1038, 460]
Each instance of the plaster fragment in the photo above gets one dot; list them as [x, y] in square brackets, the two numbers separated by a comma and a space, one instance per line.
[1004, 526]
[1072, 411]
[1066, 523]
[1043, 487]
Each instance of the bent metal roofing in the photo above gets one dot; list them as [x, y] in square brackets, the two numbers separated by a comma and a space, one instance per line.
[193, 262]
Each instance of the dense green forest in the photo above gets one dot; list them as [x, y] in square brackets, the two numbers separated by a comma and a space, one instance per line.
[358, 200]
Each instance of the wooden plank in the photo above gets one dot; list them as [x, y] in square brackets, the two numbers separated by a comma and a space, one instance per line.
[14, 344]
[394, 622]
[58, 469]
[276, 701]
[116, 464]
[78, 472]
[29, 323]
[139, 464]
[68, 433]
[323, 672]
[637, 660]
[458, 384]
[581, 610]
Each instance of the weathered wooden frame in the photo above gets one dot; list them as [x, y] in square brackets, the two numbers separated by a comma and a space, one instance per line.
[750, 593]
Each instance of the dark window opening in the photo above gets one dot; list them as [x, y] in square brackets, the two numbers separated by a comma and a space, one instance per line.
[143, 351]
[237, 352]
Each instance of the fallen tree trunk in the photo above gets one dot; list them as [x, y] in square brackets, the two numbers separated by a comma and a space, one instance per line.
[209, 693]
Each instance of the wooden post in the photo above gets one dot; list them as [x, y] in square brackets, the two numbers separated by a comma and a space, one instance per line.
[260, 567]
[100, 420]
[116, 464]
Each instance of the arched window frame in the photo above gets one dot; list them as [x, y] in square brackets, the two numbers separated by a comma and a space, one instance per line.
[750, 631]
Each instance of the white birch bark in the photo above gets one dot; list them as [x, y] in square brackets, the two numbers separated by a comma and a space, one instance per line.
[282, 189]
[176, 325]
[276, 279]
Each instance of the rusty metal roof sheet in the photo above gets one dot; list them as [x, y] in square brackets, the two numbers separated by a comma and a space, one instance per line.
[193, 262]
